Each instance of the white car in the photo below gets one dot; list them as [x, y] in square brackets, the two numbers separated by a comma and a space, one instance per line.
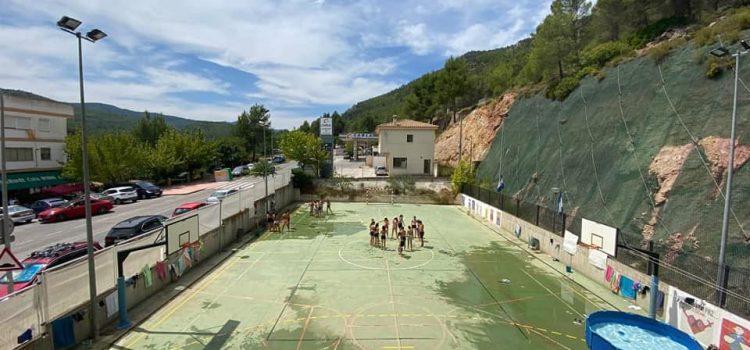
[19, 214]
[122, 194]
[219, 195]
[381, 171]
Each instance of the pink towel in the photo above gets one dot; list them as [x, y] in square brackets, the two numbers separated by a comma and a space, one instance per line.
[161, 270]
[608, 275]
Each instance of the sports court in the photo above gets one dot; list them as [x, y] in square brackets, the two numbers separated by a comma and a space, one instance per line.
[322, 286]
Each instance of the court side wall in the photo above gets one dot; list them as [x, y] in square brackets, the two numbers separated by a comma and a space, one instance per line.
[242, 226]
[551, 244]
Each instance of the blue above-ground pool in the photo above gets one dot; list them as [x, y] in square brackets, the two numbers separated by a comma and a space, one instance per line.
[607, 330]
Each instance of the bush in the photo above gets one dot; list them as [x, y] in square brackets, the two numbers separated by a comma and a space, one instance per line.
[302, 180]
[563, 88]
[599, 55]
[662, 50]
[402, 184]
[462, 175]
[650, 32]
[729, 28]
[716, 66]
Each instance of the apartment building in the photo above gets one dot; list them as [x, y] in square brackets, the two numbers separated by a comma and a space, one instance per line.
[35, 129]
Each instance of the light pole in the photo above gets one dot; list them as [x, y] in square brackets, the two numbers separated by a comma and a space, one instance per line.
[69, 25]
[265, 170]
[721, 275]
[6, 218]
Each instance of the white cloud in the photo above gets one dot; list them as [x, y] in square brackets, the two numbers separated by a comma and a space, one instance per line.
[415, 37]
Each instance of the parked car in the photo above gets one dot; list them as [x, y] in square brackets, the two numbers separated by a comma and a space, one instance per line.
[186, 207]
[44, 204]
[101, 196]
[381, 171]
[239, 170]
[73, 210]
[250, 166]
[278, 159]
[122, 194]
[19, 214]
[145, 189]
[133, 227]
[217, 196]
[41, 260]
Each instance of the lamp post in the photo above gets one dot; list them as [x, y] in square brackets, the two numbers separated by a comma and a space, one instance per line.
[69, 25]
[721, 275]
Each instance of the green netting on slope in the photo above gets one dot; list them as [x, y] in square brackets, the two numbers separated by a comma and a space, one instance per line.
[595, 129]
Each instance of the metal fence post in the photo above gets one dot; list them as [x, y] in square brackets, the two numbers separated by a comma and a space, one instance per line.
[564, 218]
[721, 297]
[518, 202]
[537, 215]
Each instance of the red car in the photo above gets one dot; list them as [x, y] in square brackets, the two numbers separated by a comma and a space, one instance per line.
[74, 209]
[41, 260]
[186, 207]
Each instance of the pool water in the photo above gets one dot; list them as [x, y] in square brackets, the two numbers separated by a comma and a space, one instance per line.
[628, 337]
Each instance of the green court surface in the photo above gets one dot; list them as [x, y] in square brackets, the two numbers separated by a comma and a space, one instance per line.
[322, 286]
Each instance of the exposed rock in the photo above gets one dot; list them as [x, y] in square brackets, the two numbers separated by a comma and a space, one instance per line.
[667, 166]
[717, 154]
[479, 130]
[676, 243]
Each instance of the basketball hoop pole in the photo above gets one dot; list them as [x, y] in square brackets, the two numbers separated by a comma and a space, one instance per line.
[122, 302]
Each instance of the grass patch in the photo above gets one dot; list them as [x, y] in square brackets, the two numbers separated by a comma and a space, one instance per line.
[728, 28]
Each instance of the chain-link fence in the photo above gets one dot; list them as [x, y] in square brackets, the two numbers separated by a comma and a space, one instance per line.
[689, 272]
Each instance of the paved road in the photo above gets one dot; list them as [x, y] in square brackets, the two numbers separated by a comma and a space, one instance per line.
[347, 168]
[33, 236]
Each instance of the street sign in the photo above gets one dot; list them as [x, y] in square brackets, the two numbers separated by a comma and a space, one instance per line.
[326, 127]
[8, 261]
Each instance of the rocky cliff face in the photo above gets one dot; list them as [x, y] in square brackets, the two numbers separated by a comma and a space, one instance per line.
[479, 129]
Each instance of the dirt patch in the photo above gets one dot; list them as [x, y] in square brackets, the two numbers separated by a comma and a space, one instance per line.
[717, 154]
[676, 244]
[479, 130]
[667, 166]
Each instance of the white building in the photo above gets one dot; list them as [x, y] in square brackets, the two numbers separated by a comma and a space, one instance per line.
[408, 145]
[35, 130]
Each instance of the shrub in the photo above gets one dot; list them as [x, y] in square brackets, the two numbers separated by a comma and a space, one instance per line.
[662, 50]
[563, 88]
[650, 32]
[462, 175]
[599, 55]
[728, 28]
[716, 66]
[401, 184]
[302, 180]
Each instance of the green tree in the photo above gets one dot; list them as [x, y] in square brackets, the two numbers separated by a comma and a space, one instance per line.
[149, 129]
[113, 158]
[422, 104]
[304, 147]
[463, 174]
[452, 83]
[263, 168]
[230, 151]
[305, 127]
[251, 125]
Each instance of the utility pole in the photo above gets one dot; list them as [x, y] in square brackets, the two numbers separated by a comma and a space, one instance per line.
[265, 170]
[6, 217]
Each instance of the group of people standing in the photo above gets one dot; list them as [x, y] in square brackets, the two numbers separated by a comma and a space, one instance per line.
[277, 222]
[399, 230]
[316, 207]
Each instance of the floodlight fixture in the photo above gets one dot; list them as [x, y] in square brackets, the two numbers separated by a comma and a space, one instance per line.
[745, 44]
[95, 35]
[67, 23]
[719, 52]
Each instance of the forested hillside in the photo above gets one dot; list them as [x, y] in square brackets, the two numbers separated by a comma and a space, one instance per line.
[575, 41]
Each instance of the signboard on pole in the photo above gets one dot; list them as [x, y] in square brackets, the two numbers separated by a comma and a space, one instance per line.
[326, 126]
[8, 261]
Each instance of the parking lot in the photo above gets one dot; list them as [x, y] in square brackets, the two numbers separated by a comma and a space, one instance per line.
[35, 235]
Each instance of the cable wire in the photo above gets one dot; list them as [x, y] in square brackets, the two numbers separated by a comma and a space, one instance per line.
[593, 161]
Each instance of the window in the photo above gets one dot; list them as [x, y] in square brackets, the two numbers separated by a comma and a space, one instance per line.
[19, 154]
[409, 138]
[399, 163]
[45, 153]
[18, 123]
[44, 124]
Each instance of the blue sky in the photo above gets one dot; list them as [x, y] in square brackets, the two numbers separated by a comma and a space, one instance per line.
[211, 60]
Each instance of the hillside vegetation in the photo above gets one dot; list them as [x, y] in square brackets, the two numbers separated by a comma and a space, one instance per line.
[575, 41]
[102, 117]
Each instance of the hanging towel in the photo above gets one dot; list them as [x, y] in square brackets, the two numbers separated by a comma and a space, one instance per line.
[62, 332]
[614, 284]
[608, 275]
[112, 304]
[161, 270]
[660, 300]
[598, 258]
[186, 258]
[146, 270]
[25, 336]
[626, 287]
